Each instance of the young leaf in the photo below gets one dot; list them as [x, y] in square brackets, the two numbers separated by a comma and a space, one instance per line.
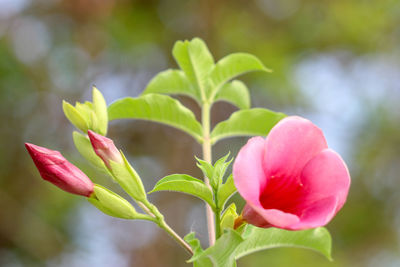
[247, 122]
[214, 173]
[205, 167]
[234, 65]
[236, 93]
[317, 239]
[158, 108]
[222, 254]
[185, 184]
[172, 82]
[195, 60]
[226, 191]
[220, 167]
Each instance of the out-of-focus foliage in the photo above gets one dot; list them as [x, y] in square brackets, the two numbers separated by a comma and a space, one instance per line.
[335, 62]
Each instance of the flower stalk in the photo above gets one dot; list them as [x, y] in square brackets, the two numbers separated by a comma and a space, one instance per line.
[207, 156]
[130, 181]
[152, 211]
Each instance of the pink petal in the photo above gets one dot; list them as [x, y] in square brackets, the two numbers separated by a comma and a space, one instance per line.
[324, 176]
[104, 148]
[247, 170]
[253, 217]
[317, 214]
[276, 218]
[290, 145]
[53, 167]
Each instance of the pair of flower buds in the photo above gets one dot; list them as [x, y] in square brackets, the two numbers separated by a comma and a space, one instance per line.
[53, 167]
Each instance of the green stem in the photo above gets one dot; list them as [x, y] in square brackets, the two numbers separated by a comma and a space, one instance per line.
[217, 217]
[152, 210]
[175, 236]
[205, 119]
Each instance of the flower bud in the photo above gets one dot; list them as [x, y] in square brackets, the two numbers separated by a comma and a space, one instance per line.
[89, 115]
[105, 148]
[100, 110]
[75, 117]
[85, 148]
[53, 167]
[229, 217]
[115, 161]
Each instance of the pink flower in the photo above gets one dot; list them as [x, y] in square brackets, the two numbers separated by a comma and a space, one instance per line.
[104, 148]
[291, 179]
[53, 167]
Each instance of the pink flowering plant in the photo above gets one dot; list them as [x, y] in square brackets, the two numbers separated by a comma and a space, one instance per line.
[292, 183]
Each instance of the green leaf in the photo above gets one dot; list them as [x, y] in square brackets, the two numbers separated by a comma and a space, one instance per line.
[82, 143]
[317, 239]
[226, 191]
[194, 243]
[75, 117]
[158, 108]
[246, 122]
[128, 179]
[185, 184]
[195, 60]
[112, 204]
[222, 253]
[172, 82]
[234, 65]
[236, 93]
[100, 110]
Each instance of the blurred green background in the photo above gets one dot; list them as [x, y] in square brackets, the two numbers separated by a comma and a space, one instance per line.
[335, 62]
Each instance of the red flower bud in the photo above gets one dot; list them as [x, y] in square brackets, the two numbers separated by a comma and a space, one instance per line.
[53, 167]
[104, 148]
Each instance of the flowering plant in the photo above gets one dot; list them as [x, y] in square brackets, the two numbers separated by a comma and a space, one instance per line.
[293, 184]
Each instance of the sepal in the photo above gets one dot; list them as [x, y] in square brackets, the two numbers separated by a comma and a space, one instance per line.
[114, 205]
[128, 179]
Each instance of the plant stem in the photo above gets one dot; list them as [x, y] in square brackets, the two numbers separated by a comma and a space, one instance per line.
[145, 209]
[205, 119]
[152, 210]
[175, 236]
[217, 218]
